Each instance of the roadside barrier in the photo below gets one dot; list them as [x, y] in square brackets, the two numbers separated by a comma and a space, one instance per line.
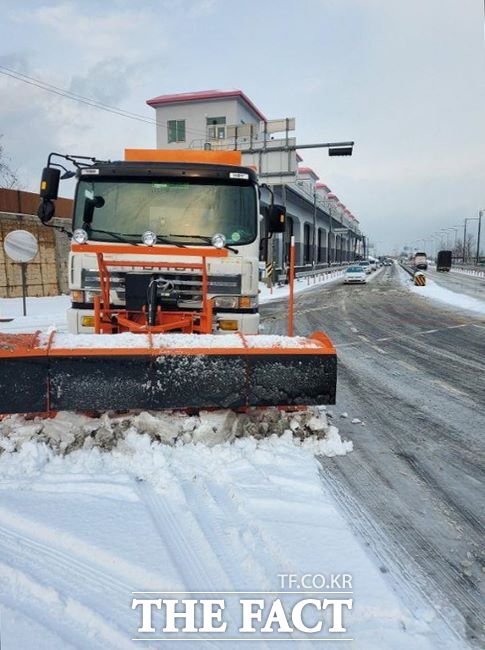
[419, 279]
[316, 275]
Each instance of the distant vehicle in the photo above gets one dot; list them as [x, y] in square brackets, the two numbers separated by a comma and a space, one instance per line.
[443, 261]
[365, 264]
[420, 261]
[373, 263]
[387, 262]
[355, 275]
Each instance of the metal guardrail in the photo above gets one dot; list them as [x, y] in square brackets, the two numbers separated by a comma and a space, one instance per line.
[282, 278]
[408, 269]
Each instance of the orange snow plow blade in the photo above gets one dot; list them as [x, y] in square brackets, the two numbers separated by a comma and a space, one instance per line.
[45, 373]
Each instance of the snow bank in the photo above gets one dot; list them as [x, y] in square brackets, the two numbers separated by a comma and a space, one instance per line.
[434, 291]
[36, 441]
[301, 284]
[476, 273]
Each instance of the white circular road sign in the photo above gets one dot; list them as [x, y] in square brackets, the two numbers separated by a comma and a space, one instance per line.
[21, 246]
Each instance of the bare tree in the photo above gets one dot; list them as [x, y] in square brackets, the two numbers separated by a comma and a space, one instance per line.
[466, 252]
[8, 177]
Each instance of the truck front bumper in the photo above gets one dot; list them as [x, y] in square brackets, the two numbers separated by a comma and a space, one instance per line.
[247, 323]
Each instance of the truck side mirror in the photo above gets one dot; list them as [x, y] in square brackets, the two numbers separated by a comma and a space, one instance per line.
[276, 218]
[46, 210]
[49, 184]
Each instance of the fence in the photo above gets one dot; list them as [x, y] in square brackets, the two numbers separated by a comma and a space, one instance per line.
[47, 273]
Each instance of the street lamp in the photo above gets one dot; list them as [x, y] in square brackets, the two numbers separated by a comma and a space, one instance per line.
[455, 228]
[464, 233]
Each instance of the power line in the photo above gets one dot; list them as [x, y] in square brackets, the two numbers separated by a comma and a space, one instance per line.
[67, 94]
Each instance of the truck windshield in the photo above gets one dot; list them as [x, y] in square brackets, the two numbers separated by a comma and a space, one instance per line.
[189, 209]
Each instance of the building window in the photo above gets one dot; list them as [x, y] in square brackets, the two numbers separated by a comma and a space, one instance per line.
[176, 130]
[216, 128]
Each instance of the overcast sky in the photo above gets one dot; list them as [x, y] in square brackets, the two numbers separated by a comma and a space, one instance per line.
[405, 79]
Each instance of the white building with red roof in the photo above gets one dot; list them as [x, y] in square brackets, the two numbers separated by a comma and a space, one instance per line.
[189, 120]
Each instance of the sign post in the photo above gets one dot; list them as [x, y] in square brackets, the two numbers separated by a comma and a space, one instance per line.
[21, 247]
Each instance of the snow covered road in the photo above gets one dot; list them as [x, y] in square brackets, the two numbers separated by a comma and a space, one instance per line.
[413, 370]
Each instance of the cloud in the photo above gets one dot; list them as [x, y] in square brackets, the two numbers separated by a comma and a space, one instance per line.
[95, 34]
[403, 79]
[109, 81]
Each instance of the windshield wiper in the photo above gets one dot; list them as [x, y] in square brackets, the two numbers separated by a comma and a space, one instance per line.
[207, 239]
[128, 238]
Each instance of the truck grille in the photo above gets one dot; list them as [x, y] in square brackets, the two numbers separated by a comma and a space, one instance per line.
[187, 285]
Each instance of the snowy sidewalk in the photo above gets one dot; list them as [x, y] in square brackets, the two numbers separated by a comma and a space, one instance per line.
[42, 313]
[301, 284]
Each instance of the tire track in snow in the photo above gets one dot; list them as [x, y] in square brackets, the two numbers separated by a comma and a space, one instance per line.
[52, 607]
[48, 575]
[202, 530]
[71, 547]
[228, 549]
[180, 534]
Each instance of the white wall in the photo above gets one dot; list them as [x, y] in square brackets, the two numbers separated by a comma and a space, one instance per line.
[195, 114]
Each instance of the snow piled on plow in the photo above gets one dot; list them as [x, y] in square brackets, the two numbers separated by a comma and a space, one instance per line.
[69, 432]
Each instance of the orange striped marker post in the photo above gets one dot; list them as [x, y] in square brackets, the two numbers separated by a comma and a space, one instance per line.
[292, 286]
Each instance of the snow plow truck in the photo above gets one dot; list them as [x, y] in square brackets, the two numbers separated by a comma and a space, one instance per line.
[163, 276]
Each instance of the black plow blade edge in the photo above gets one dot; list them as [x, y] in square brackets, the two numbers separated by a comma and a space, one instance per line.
[171, 381]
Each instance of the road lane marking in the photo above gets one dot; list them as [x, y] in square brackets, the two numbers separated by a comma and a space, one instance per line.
[407, 365]
[482, 327]
[364, 338]
[448, 387]
[429, 331]
[376, 347]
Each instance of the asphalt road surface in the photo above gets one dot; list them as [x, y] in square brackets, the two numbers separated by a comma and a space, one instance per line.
[414, 372]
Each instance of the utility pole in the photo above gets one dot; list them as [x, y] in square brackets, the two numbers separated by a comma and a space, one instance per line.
[479, 219]
[464, 243]
[314, 257]
[478, 236]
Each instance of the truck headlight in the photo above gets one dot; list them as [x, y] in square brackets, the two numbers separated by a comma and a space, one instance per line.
[226, 302]
[236, 302]
[149, 238]
[218, 240]
[80, 236]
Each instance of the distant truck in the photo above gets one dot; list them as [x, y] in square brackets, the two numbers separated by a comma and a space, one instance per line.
[443, 261]
[420, 261]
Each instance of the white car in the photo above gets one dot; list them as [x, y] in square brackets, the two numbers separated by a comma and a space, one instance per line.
[355, 275]
[365, 264]
[373, 264]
